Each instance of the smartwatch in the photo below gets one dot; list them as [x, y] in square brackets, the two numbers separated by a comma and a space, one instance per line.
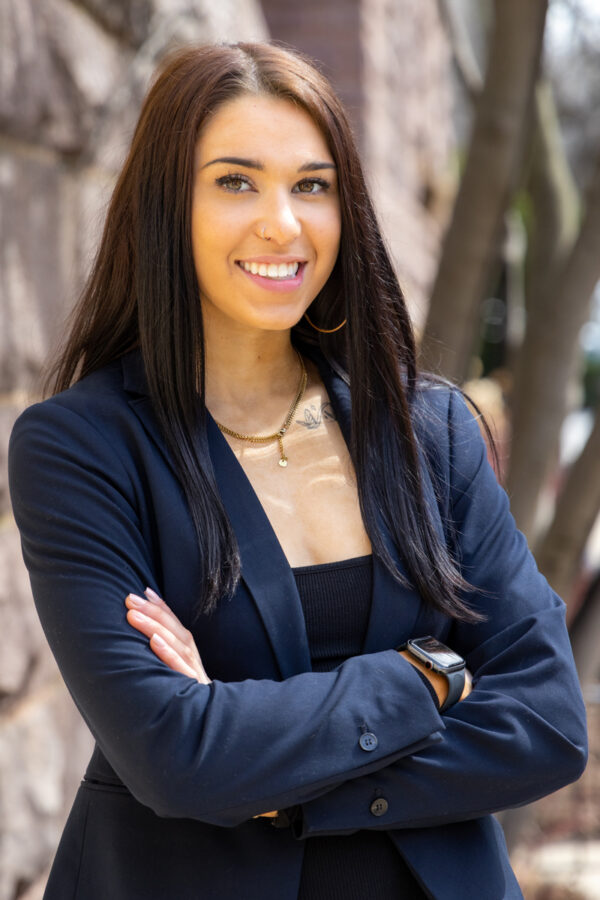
[439, 658]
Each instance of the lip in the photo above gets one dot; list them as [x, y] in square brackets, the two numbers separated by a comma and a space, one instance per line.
[270, 284]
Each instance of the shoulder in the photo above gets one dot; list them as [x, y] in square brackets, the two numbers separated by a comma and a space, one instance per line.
[85, 422]
[89, 402]
[442, 417]
[449, 435]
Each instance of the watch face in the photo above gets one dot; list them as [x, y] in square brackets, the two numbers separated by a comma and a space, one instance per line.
[437, 653]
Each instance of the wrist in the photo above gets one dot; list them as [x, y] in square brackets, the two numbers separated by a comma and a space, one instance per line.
[442, 666]
[438, 682]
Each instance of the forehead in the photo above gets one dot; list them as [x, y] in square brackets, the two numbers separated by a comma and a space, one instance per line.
[262, 127]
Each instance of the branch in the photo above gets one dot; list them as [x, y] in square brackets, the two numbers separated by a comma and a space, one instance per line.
[466, 63]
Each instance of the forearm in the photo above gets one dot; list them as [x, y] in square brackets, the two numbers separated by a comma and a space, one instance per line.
[519, 735]
[225, 752]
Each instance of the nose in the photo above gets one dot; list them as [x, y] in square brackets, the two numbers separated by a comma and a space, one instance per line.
[279, 222]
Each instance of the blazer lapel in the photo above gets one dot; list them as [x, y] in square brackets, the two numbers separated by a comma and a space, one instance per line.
[265, 569]
[134, 382]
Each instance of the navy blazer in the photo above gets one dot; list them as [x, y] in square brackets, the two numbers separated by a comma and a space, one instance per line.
[180, 768]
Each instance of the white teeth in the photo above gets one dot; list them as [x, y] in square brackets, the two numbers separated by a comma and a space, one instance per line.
[272, 270]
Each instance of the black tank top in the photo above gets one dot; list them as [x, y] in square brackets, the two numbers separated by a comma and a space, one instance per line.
[336, 600]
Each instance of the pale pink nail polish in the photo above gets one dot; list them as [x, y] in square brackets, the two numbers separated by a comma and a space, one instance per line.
[137, 601]
[138, 617]
[152, 595]
[159, 641]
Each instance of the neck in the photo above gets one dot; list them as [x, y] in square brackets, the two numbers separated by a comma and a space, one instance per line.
[251, 379]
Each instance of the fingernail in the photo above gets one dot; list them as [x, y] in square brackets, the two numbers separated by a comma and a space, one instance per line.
[152, 595]
[159, 641]
[137, 601]
[138, 617]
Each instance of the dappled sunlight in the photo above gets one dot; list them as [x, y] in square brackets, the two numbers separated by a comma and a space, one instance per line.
[312, 504]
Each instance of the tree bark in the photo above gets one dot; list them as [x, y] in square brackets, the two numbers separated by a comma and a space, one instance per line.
[486, 186]
[547, 363]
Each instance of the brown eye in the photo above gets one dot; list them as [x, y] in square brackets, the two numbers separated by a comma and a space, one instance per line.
[236, 184]
[312, 186]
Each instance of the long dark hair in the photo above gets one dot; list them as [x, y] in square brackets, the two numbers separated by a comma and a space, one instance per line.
[143, 292]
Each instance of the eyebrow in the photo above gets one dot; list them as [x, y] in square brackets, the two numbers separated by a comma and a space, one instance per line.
[254, 164]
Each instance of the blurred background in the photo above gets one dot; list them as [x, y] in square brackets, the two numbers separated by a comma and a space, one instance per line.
[479, 126]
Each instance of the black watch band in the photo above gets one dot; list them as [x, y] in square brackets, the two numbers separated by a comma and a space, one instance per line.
[456, 684]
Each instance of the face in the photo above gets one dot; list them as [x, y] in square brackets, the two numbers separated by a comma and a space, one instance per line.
[265, 216]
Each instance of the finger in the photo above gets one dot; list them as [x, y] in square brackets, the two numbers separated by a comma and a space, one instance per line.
[160, 612]
[149, 627]
[153, 596]
[161, 645]
[176, 661]
[168, 655]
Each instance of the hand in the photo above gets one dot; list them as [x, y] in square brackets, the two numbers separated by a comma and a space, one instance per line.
[169, 640]
[439, 682]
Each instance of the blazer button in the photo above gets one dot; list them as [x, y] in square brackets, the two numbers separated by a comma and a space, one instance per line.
[379, 807]
[368, 741]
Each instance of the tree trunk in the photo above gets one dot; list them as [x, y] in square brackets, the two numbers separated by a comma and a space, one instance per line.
[559, 553]
[485, 189]
[547, 363]
[551, 235]
[584, 635]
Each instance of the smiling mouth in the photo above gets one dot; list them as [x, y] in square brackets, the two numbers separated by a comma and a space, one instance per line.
[276, 271]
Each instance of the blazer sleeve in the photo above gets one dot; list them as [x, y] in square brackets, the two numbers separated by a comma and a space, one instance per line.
[521, 733]
[220, 753]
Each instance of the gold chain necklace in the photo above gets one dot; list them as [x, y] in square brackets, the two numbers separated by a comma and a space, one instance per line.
[277, 435]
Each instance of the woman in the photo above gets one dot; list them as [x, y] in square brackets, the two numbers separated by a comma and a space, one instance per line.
[238, 427]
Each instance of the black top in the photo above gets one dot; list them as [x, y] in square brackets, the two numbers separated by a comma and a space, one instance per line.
[336, 600]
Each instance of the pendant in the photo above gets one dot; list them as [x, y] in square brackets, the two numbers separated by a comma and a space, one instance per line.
[283, 461]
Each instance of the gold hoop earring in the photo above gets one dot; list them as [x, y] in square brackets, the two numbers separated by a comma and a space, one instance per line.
[324, 330]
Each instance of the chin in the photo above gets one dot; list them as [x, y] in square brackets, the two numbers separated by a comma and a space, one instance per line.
[279, 321]
[284, 325]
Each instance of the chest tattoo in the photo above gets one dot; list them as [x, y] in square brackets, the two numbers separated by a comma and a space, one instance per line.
[314, 415]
